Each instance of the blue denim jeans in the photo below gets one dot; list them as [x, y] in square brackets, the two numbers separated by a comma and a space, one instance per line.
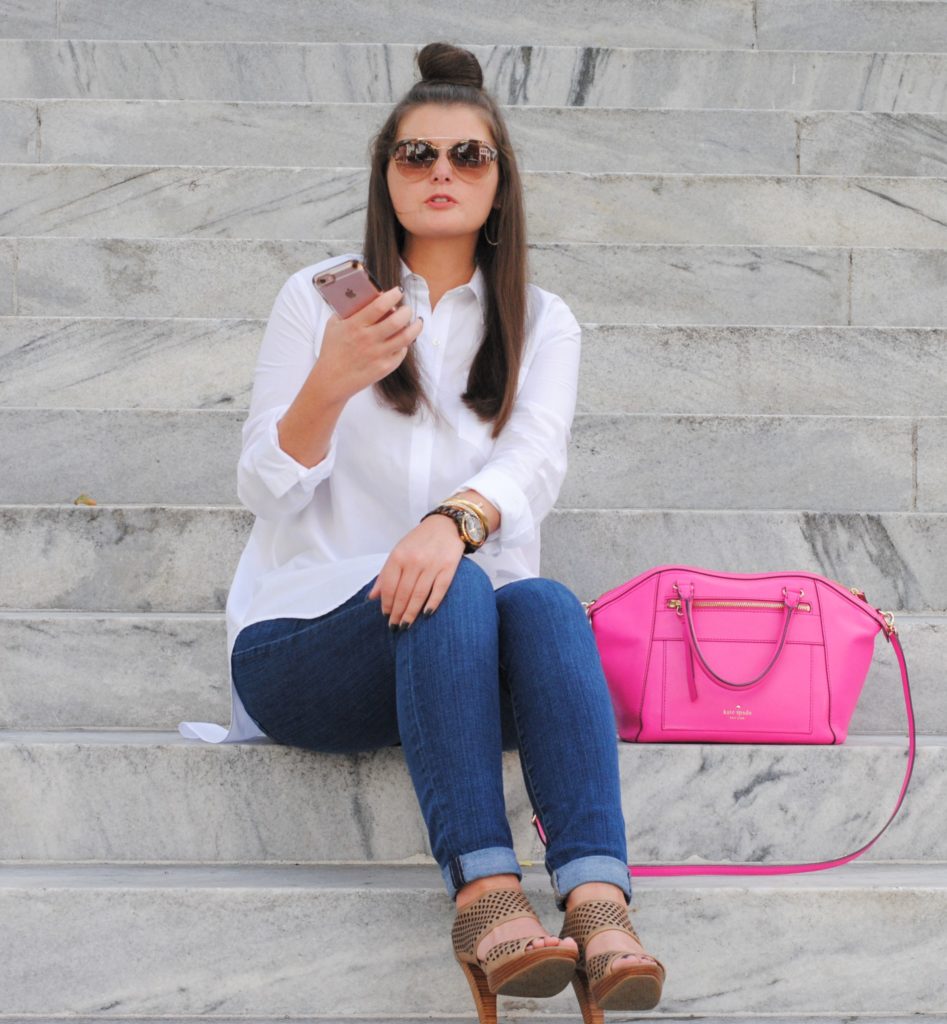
[515, 668]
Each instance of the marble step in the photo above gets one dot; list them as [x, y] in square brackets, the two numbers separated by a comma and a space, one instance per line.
[902, 25]
[297, 203]
[555, 76]
[169, 363]
[92, 131]
[269, 941]
[157, 558]
[829, 463]
[95, 670]
[854, 1018]
[731, 803]
[619, 283]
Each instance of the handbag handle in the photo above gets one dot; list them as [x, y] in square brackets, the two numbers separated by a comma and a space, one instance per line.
[791, 600]
[789, 869]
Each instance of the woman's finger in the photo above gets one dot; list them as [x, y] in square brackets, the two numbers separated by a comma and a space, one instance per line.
[419, 594]
[442, 582]
[386, 585]
[408, 585]
[378, 308]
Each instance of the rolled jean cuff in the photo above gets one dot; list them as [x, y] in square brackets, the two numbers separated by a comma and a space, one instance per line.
[590, 869]
[491, 860]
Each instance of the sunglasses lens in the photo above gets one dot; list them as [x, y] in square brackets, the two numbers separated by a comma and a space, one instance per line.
[415, 155]
[472, 158]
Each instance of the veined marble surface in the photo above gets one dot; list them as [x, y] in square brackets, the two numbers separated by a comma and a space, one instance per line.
[650, 283]
[207, 363]
[616, 22]
[8, 254]
[851, 25]
[683, 802]
[528, 74]
[894, 557]
[102, 363]
[302, 203]
[180, 558]
[271, 943]
[931, 463]
[187, 457]
[89, 670]
[320, 134]
[619, 283]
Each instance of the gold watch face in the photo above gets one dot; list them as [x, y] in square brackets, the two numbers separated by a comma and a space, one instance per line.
[473, 528]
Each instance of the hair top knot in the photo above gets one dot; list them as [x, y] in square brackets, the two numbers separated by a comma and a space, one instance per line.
[441, 62]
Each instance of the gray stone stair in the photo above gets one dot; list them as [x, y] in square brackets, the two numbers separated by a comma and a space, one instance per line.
[581, 139]
[780, 803]
[109, 670]
[649, 283]
[558, 76]
[884, 25]
[207, 363]
[285, 203]
[180, 558]
[187, 457]
[270, 941]
[755, 245]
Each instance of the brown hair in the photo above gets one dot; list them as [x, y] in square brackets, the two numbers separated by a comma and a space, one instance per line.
[450, 75]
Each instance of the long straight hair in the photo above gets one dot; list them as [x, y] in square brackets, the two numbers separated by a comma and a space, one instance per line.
[452, 76]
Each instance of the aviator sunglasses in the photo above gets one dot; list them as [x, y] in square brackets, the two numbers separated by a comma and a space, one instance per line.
[470, 158]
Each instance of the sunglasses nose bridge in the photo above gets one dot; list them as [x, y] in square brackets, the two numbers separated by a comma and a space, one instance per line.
[442, 167]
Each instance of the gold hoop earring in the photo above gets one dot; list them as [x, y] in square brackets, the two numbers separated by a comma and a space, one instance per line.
[490, 241]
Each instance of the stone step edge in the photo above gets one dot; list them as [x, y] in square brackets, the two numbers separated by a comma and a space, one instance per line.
[525, 172]
[386, 105]
[171, 737]
[353, 245]
[230, 507]
[111, 876]
[9, 319]
[510, 1013]
[18, 615]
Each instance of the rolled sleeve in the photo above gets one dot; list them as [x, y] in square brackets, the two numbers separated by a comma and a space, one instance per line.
[267, 474]
[270, 482]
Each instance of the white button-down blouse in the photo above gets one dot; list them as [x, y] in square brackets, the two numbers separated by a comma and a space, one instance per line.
[323, 532]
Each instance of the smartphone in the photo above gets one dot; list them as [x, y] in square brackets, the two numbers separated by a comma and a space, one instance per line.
[347, 287]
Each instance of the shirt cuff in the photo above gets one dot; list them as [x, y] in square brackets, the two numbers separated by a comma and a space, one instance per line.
[279, 471]
[517, 525]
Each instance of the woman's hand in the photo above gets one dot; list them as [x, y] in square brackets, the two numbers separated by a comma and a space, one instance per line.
[366, 346]
[419, 570]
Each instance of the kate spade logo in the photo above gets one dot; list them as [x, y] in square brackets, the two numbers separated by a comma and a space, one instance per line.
[738, 712]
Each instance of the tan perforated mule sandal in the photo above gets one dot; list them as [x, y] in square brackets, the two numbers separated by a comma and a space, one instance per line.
[631, 986]
[509, 967]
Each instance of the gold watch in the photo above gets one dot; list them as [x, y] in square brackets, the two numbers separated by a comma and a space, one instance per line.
[470, 520]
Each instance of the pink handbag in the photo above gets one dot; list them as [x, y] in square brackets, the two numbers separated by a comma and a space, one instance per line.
[697, 656]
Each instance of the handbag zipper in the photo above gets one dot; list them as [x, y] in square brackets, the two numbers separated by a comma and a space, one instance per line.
[676, 604]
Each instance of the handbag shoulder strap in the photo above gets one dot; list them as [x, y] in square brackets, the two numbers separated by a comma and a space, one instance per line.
[788, 869]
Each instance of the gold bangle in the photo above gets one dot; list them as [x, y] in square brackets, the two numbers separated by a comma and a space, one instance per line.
[471, 506]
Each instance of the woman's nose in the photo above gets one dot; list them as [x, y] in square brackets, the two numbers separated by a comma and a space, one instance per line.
[441, 170]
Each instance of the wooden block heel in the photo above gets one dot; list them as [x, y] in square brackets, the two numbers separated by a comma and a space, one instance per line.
[484, 1000]
[510, 967]
[631, 986]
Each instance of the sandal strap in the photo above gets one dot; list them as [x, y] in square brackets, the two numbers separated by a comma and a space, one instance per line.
[486, 913]
[593, 916]
[599, 965]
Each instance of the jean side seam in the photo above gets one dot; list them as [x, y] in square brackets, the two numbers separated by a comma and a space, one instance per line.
[421, 754]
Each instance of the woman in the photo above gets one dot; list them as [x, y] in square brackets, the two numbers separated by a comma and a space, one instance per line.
[381, 449]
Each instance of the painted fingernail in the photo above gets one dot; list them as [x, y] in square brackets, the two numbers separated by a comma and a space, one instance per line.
[405, 625]
[393, 627]
[428, 612]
